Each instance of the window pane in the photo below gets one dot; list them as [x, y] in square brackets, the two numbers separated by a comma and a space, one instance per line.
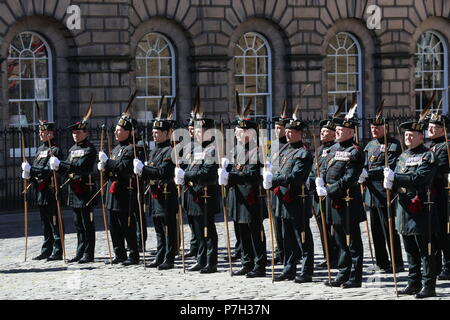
[165, 52]
[165, 86]
[262, 66]
[27, 89]
[341, 64]
[166, 65]
[343, 69]
[26, 40]
[153, 87]
[40, 88]
[352, 83]
[152, 67]
[352, 64]
[250, 66]
[252, 73]
[341, 82]
[430, 67]
[28, 72]
[26, 69]
[14, 89]
[155, 67]
[262, 84]
[250, 84]
[261, 105]
[41, 68]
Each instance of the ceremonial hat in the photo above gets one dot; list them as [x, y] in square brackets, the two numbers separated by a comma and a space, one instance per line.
[81, 125]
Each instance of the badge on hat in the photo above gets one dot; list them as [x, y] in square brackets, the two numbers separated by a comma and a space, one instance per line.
[81, 125]
[349, 121]
[243, 120]
[43, 124]
[126, 121]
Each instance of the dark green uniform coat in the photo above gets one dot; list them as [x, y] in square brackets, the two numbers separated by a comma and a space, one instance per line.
[290, 174]
[375, 198]
[322, 153]
[343, 167]
[247, 208]
[121, 200]
[440, 198]
[201, 173]
[41, 175]
[413, 176]
[78, 167]
[164, 200]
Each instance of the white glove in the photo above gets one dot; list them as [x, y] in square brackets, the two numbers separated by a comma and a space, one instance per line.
[387, 184]
[101, 166]
[319, 183]
[224, 162]
[102, 157]
[223, 177]
[179, 176]
[26, 166]
[267, 179]
[363, 176]
[26, 174]
[138, 165]
[389, 174]
[147, 163]
[321, 191]
[268, 165]
[54, 163]
[448, 178]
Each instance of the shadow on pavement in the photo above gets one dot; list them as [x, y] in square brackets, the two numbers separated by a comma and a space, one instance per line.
[32, 270]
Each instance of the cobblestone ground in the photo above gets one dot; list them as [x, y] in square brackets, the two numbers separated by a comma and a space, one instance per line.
[57, 280]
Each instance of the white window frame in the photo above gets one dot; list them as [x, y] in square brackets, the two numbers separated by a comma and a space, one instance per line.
[268, 93]
[173, 75]
[444, 92]
[31, 150]
[359, 73]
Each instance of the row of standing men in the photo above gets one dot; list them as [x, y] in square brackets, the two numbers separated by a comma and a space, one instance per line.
[295, 188]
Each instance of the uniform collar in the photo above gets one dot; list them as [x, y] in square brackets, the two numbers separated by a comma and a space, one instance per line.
[346, 143]
[417, 149]
[125, 142]
[438, 140]
[163, 144]
[328, 143]
[296, 145]
[81, 143]
[47, 144]
[282, 140]
[381, 140]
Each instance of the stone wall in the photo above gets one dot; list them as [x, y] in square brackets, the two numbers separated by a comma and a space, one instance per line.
[99, 59]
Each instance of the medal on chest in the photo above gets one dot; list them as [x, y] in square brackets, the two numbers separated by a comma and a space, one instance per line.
[42, 154]
[76, 154]
[342, 156]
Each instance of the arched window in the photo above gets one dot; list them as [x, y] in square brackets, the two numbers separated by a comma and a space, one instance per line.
[431, 70]
[344, 71]
[29, 68]
[155, 74]
[253, 73]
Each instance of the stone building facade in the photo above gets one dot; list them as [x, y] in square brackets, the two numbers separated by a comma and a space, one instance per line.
[300, 40]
